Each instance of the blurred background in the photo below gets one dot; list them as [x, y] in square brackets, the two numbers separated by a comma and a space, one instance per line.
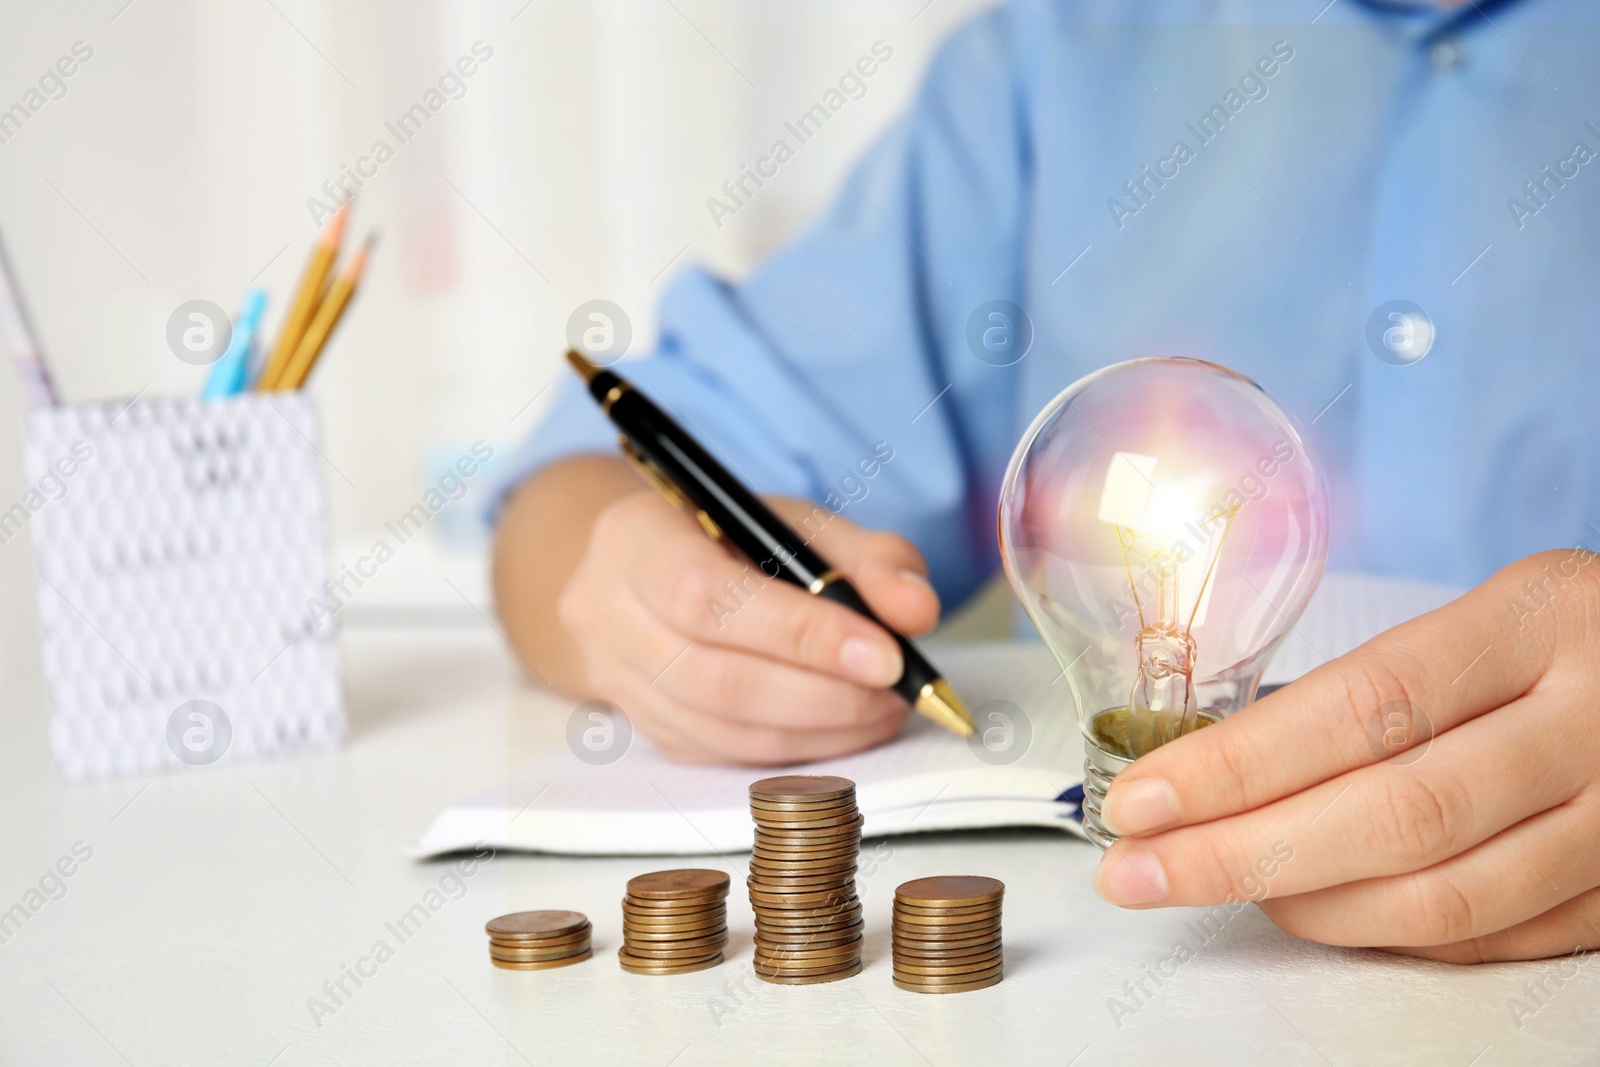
[186, 158]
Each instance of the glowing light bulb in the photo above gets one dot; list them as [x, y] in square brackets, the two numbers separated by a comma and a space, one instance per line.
[1163, 525]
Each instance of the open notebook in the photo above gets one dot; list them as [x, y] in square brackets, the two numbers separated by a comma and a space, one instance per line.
[927, 779]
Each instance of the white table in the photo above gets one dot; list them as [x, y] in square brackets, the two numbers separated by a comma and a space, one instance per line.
[216, 903]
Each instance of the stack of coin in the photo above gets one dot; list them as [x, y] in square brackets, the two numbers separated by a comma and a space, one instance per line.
[674, 922]
[538, 940]
[802, 879]
[946, 934]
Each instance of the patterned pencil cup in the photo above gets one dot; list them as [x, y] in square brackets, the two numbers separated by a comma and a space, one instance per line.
[178, 543]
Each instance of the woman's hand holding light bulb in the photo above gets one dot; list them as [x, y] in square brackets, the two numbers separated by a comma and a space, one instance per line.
[1476, 843]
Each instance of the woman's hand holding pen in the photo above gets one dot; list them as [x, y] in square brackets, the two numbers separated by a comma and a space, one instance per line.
[717, 663]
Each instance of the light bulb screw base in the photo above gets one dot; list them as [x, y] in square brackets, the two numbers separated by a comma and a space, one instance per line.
[1099, 768]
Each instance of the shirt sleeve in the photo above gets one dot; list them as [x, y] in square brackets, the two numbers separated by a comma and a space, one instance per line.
[841, 370]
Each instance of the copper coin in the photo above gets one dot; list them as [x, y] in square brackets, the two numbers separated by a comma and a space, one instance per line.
[778, 952]
[632, 928]
[672, 907]
[984, 984]
[780, 959]
[633, 965]
[812, 937]
[536, 924]
[762, 808]
[525, 955]
[682, 946]
[783, 835]
[812, 839]
[797, 868]
[544, 942]
[917, 946]
[670, 954]
[800, 877]
[539, 965]
[846, 855]
[938, 933]
[948, 979]
[842, 881]
[807, 926]
[646, 926]
[831, 967]
[673, 937]
[909, 919]
[848, 851]
[634, 922]
[779, 919]
[817, 787]
[786, 820]
[902, 908]
[835, 825]
[911, 952]
[808, 914]
[845, 884]
[676, 885]
[965, 987]
[807, 941]
[811, 979]
[950, 891]
[765, 970]
[777, 955]
[800, 896]
[820, 903]
[687, 922]
[974, 965]
[818, 839]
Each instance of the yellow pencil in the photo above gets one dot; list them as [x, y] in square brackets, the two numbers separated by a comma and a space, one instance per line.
[327, 317]
[306, 300]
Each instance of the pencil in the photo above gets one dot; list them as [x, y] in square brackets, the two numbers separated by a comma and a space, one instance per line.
[306, 300]
[327, 318]
[21, 338]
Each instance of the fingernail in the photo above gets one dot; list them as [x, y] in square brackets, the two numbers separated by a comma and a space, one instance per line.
[871, 663]
[918, 580]
[1139, 806]
[1129, 878]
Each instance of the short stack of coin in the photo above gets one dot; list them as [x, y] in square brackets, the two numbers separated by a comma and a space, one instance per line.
[946, 934]
[538, 940]
[674, 922]
[802, 879]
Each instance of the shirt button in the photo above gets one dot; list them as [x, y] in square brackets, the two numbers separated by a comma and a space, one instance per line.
[1447, 55]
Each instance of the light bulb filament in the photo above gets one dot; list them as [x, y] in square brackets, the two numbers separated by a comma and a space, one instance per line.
[1162, 705]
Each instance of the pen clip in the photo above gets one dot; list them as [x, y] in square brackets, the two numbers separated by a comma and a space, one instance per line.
[663, 485]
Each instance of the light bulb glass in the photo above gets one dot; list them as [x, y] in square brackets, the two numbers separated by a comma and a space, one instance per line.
[1163, 525]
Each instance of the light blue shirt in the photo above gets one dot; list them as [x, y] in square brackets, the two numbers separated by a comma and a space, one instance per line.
[1383, 152]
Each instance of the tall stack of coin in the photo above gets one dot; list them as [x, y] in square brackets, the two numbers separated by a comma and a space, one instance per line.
[946, 934]
[538, 940]
[674, 922]
[802, 879]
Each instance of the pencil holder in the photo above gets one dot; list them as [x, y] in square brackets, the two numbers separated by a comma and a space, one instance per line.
[178, 544]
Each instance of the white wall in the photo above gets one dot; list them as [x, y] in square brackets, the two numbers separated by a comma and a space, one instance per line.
[576, 165]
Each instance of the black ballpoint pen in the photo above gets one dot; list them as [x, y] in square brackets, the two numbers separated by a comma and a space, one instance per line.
[686, 474]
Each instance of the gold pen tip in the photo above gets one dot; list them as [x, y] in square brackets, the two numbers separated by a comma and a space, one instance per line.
[938, 701]
[583, 366]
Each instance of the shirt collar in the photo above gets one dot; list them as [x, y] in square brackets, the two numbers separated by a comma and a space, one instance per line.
[1425, 22]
